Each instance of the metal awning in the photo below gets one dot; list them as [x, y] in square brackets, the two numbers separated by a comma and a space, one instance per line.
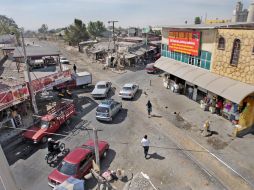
[230, 89]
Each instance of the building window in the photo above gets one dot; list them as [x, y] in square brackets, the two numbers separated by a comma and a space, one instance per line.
[235, 52]
[221, 43]
[253, 50]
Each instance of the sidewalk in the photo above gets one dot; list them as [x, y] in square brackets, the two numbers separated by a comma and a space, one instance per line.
[237, 153]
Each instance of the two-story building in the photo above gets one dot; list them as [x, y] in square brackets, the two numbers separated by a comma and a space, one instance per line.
[215, 64]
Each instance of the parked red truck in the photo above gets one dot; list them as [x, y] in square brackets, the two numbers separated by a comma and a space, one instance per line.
[50, 122]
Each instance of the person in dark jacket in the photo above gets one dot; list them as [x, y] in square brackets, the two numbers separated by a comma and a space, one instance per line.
[149, 108]
[53, 146]
[75, 68]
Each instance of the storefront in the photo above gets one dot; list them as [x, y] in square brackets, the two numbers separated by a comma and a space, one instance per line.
[217, 74]
[217, 94]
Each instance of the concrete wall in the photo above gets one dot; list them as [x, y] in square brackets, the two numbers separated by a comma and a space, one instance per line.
[221, 59]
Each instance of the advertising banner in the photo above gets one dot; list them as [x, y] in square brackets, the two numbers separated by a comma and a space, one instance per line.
[13, 95]
[46, 83]
[184, 42]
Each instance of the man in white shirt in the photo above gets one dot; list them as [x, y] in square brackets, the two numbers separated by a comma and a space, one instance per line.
[145, 143]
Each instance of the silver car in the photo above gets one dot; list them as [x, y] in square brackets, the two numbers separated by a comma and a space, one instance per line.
[128, 91]
[64, 60]
[101, 89]
[107, 109]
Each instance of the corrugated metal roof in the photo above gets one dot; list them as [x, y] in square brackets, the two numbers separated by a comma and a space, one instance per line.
[36, 51]
[7, 39]
[230, 89]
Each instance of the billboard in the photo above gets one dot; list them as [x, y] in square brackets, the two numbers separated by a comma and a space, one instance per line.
[47, 82]
[187, 42]
[13, 95]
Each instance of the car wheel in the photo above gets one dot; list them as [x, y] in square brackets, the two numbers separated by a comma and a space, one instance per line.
[62, 147]
[44, 140]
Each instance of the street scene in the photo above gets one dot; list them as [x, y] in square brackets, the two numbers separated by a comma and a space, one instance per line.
[92, 105]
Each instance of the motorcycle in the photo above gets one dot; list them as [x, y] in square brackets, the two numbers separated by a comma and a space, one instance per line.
[60, 150]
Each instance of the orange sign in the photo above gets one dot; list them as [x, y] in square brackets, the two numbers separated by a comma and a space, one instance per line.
[184, 42]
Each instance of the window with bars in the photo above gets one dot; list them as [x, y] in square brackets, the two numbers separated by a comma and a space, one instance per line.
[235, 52]
[221, 43]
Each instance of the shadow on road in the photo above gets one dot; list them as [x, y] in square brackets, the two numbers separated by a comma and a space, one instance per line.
[120, 117]
[84, 105]
[156, 156]
[22, 151]
[112, 92]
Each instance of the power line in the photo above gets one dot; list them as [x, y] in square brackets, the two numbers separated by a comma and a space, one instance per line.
[113, 142]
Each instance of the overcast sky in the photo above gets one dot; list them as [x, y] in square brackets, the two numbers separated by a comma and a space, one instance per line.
[31, 14]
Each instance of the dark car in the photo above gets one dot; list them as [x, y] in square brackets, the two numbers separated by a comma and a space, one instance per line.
[150, 68]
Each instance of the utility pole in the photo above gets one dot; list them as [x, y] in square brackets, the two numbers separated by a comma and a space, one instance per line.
[96, 147]
[31, 91]
[97, 154]
[113, 22]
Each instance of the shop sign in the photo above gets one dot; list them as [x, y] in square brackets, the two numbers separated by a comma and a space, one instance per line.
[184, 42]
[13, 95]
[49, 81]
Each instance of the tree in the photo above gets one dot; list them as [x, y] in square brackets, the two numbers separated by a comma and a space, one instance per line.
[95, 28]
[9, 26]
[43, 29]
[76, 33]
[157, 32]
[197, 20]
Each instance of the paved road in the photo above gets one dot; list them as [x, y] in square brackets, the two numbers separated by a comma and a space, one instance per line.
[169, 167]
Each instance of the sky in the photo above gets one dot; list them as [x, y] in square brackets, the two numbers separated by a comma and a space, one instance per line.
[31, 14]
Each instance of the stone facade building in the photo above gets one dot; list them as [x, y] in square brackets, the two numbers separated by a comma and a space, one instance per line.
[216, 61]
[242, 71]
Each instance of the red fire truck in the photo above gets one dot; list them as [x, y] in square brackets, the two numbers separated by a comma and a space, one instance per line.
[50, 122]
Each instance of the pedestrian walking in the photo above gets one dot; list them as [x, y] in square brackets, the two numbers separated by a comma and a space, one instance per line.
[145, 143]
[75, 68]
[149, 108]
[190, 92]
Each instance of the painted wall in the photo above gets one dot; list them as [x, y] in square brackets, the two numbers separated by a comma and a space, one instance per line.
[221, 60]
[208, 38]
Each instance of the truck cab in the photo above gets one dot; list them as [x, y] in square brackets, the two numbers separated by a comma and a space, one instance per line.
[50, 123]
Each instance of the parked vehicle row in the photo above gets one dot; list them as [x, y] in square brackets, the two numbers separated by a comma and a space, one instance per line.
[102, 88]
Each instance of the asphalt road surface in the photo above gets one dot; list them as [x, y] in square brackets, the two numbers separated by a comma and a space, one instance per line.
[169, 167]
